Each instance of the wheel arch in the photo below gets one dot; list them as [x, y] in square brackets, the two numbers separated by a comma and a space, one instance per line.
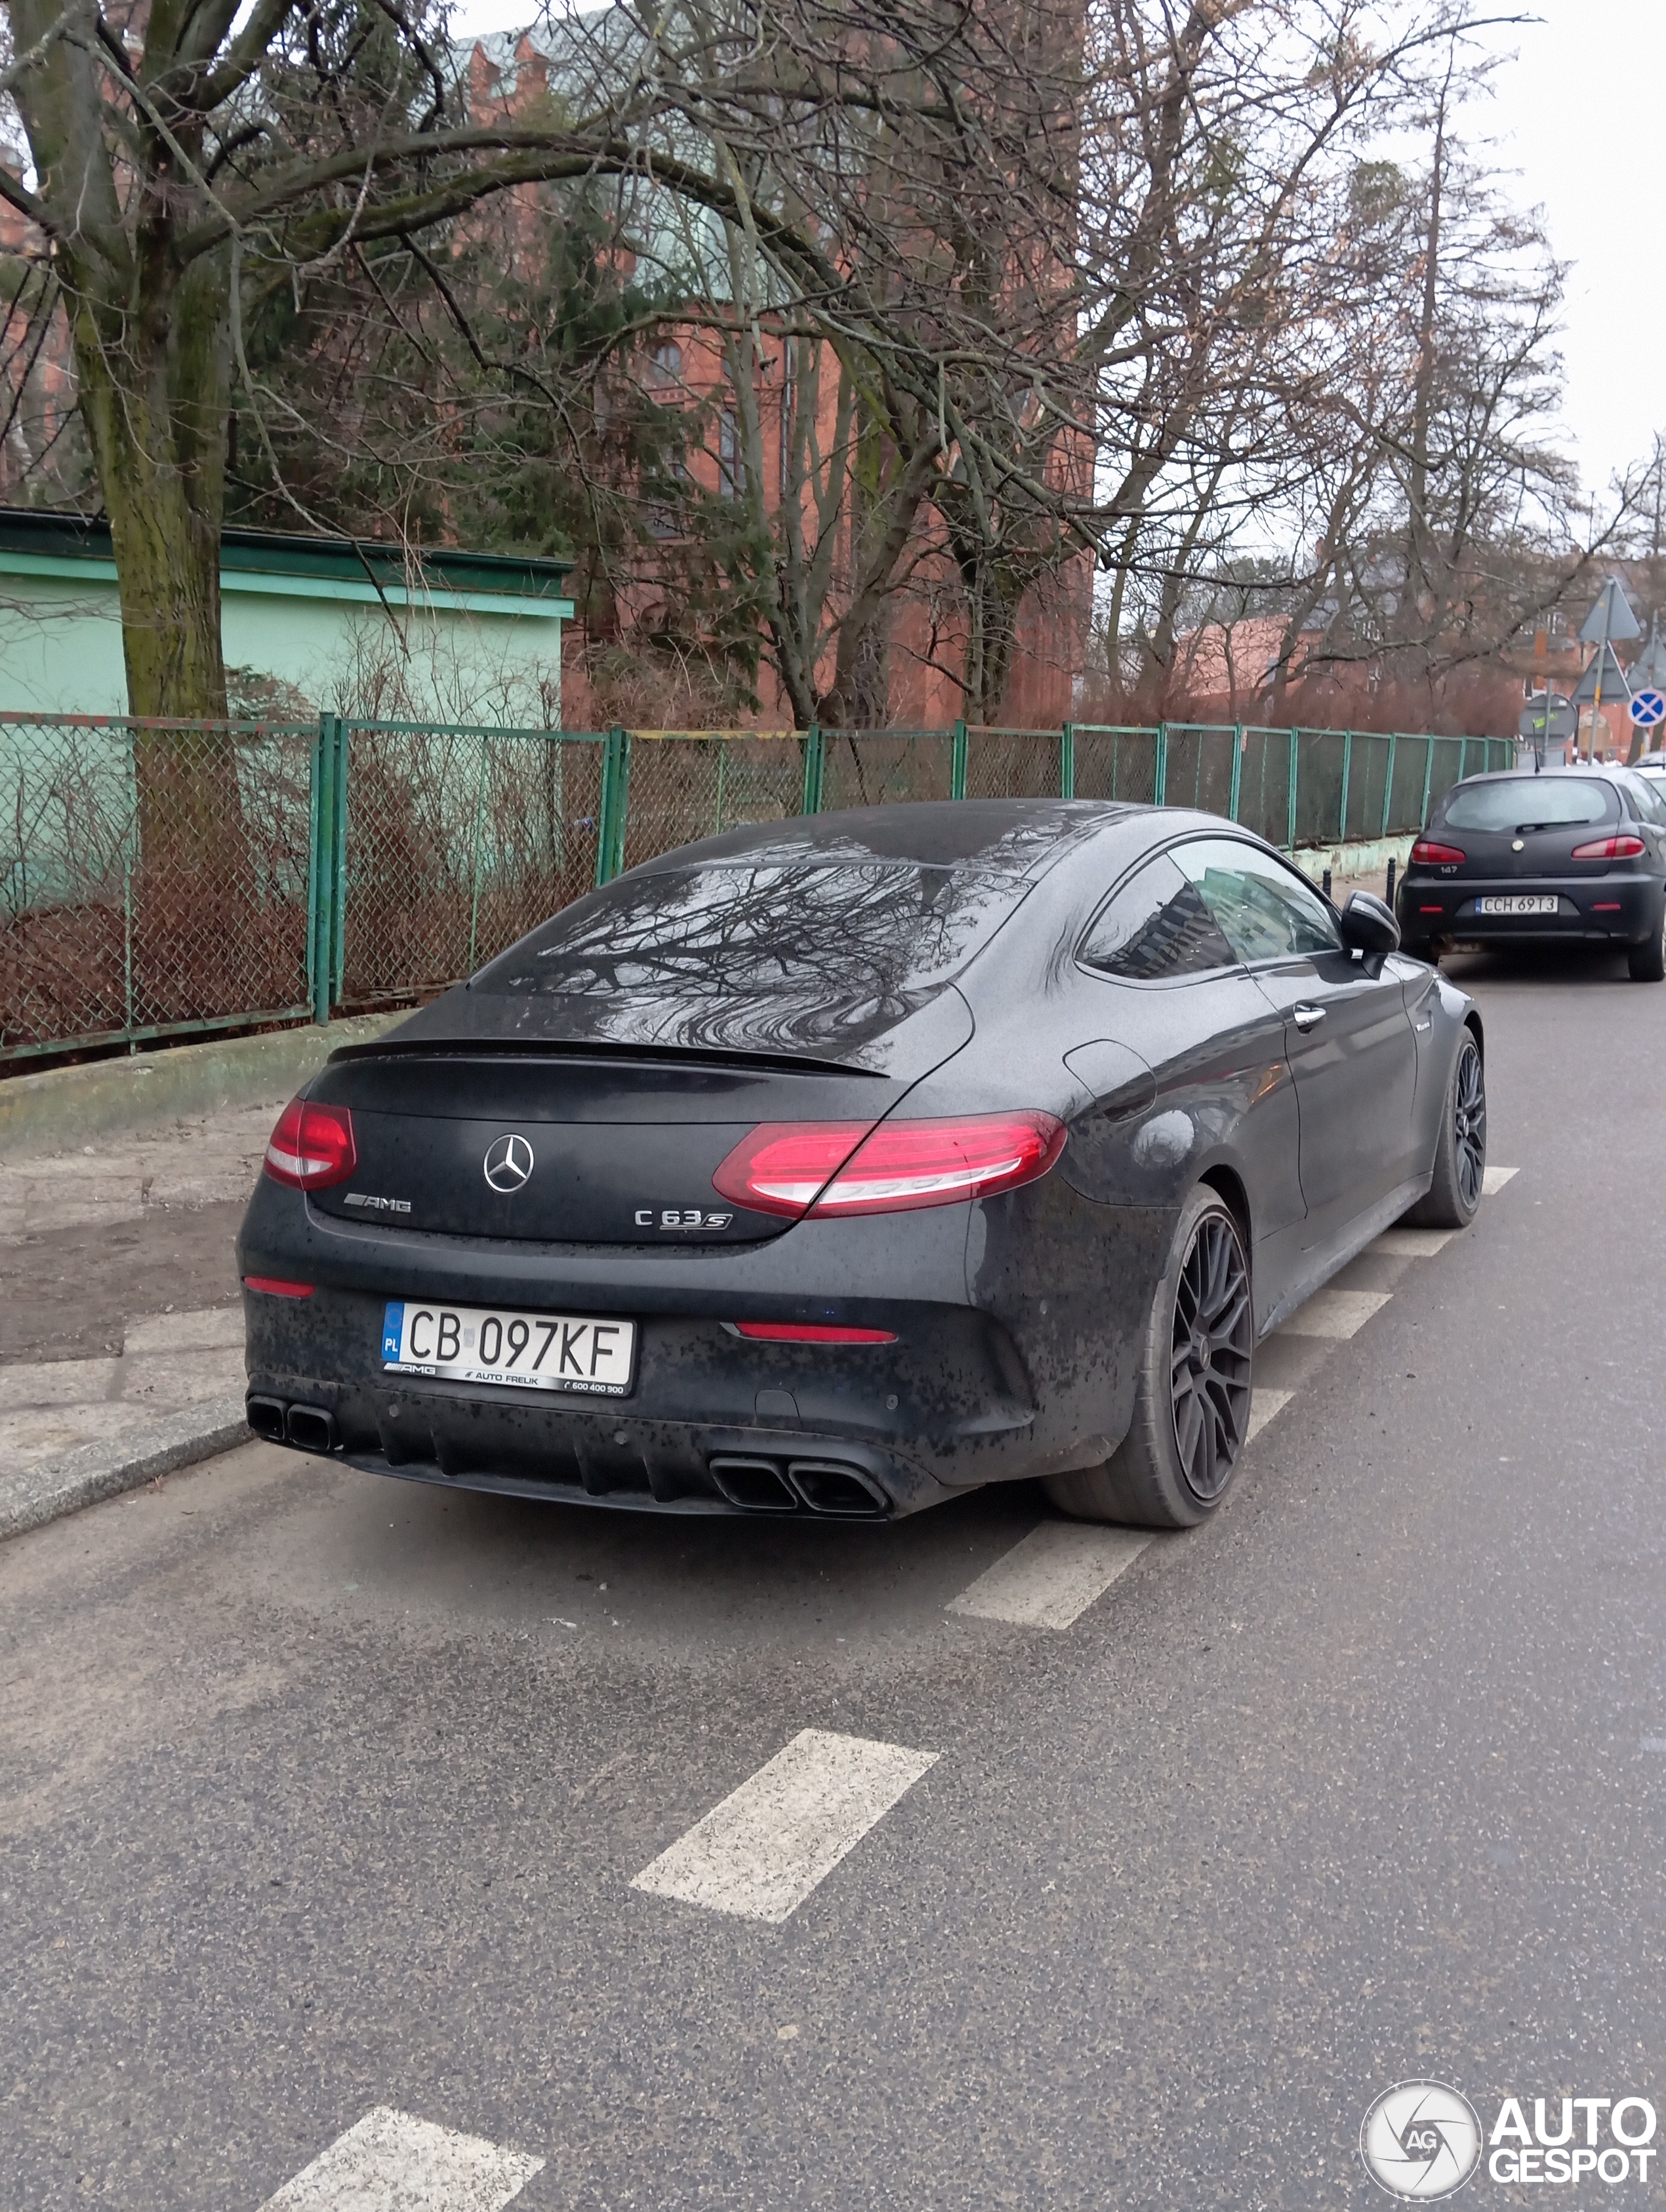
[1228, 1186]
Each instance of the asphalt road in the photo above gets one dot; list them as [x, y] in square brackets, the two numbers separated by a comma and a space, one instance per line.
[321, 1793]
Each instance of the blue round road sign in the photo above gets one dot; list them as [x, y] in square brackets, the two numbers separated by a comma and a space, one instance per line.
[1649, 708]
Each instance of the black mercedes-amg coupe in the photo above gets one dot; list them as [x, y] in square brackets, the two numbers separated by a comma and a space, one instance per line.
[840, 1165]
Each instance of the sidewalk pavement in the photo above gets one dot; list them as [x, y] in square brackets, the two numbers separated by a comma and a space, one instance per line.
[121, 1330]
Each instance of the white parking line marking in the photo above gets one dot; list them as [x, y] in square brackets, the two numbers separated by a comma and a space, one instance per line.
[1051, 1577]
[1265, 1406]
[391, 2162]
[1493, 1180]
[1334, 1313]
[1411, 1243]
[761, 1852]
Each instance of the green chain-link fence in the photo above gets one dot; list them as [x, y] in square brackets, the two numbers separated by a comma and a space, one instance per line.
[166, 879]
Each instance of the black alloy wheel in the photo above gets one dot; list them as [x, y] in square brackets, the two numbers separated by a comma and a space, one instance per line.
[1211, 1343]
[1469, 1124]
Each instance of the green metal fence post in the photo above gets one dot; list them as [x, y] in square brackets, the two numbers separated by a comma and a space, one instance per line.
[129, 859]
[338, 877]
[615, 798]
[1347, 766]
[957, 762]
[1067, 761]
[474, 856]
[1237, 771]
[1290, 841]
[1159, 777]
[320, 866]
[1388, 788]
[1463, 754]
[815, 765]
[1428, 779]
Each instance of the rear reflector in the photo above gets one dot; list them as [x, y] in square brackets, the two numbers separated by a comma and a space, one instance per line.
[1437, 856]
[1625, 845]
[827, 1167]
[794, 1332]
[312, 1146]
[275, 1289]
[1605, 906]
[1431, 909]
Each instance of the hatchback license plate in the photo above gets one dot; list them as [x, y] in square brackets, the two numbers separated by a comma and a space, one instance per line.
[1518, 902]
[514, 1351]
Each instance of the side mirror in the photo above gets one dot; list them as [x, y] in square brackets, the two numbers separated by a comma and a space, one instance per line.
[1369, 928]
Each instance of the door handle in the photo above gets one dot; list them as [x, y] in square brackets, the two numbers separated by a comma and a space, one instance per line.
[1307, 1017]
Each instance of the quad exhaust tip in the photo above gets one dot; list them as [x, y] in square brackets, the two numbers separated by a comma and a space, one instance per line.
[830, 1487]
[308, 1428]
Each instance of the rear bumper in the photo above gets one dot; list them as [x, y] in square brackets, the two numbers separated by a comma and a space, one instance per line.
[715, 1424]
[1035, 1376]
[1625, 909]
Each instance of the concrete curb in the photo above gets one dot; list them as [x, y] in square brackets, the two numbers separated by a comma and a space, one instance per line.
[36, 1495]
[64, 1107]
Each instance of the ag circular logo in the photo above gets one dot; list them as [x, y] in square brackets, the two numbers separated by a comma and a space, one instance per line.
[508, 1164]
[1420, 2140]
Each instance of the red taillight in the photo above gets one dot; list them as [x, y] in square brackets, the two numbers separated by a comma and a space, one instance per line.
[1625, 845]
[794, 1332]
[312, 1146]
[910, 1164]
[828, 1168]
[275, 1288]
[779, 1166]
[1435, 855]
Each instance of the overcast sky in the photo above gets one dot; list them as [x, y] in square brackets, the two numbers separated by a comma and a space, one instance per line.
[1577, 112]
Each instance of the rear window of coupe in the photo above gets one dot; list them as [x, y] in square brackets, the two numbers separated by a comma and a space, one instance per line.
[1527, 802]
[782, 956]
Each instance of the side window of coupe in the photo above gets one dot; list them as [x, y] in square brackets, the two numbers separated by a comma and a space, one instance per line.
[1265, 910]
[1157, 927]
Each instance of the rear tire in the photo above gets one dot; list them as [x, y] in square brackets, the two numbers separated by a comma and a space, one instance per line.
[1191, 1405]
[1454, 1197]
[1647, 961]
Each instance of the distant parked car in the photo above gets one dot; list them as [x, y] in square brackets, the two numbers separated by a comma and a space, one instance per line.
[1652, 765]
[1574, 854]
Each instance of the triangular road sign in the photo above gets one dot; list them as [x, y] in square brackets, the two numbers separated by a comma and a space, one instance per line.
[1649, 669]
[1615, 686]
[1611, 617]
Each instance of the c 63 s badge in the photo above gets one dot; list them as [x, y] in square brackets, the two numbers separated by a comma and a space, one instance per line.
[377, 1205]
[676, 1218]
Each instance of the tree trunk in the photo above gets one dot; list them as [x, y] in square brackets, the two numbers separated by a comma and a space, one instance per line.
[153, 375]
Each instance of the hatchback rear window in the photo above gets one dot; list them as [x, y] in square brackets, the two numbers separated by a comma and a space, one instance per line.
[804, 955]
[1528, 802]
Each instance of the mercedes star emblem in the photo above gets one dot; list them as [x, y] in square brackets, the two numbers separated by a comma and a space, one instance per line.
[508, 1164]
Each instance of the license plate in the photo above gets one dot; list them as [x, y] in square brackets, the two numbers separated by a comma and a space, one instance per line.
[1518, 902]
[515, 1351]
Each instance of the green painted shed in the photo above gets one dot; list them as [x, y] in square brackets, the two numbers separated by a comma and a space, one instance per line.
[342, 625]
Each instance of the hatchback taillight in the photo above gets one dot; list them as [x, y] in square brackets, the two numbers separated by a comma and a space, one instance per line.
[838, 1168]
[1435, 855]
[312, 1146]
[1625, 845]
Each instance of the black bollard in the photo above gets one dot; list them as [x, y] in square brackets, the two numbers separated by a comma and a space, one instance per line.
[1325, 886]
[1390, 893]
